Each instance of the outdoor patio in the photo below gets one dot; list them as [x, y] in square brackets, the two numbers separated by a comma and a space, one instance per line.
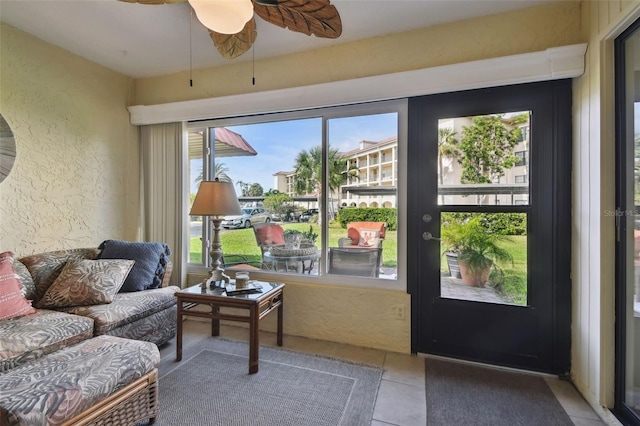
[453, 288]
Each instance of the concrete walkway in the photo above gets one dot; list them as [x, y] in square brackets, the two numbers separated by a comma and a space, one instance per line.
[453, 288]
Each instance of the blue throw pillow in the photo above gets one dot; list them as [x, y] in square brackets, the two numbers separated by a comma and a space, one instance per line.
[151, 259]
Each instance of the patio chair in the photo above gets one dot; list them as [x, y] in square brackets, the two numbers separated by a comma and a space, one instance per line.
[267, 236]
[364, 234]
[358, 261]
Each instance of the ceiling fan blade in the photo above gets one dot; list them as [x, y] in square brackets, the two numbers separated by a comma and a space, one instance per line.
[317, 17]
[233, 45]
[153, 1]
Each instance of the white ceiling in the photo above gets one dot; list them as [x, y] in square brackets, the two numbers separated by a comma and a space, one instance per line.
[150, 40]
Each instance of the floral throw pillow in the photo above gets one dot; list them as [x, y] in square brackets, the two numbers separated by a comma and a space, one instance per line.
[85, 282]
[12, 302]
[369, 238]
[44, 268]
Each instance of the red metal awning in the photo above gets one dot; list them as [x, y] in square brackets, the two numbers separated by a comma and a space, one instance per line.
[231, 144]
[228, 144]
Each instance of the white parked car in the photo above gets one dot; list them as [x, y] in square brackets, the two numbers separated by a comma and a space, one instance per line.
[249, 216]
[306, 216]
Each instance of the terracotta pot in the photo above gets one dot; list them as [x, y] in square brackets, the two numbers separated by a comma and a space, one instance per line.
[474, 278]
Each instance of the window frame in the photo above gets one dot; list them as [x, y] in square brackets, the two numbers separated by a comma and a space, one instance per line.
[522, 158]
[399, 107]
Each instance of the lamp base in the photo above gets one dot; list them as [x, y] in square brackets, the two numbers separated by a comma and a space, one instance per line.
[216, 278]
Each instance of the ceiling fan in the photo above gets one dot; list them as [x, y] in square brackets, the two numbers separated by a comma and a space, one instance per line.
[232, 25]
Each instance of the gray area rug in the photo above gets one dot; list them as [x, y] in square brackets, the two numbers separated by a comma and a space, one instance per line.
[211, 386]
[462, 394]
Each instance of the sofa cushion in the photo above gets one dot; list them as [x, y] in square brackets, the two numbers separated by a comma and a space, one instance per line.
[45, 267]
[150, 257]
[63, 384]
[156, 328]
[127, 308]
[86, 282]
[29, 337]
[12, 301]
[28, 286]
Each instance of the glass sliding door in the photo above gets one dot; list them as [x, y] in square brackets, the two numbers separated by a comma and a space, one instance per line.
[627, 214]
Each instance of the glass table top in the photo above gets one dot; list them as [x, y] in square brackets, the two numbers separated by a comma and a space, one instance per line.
[261, 289]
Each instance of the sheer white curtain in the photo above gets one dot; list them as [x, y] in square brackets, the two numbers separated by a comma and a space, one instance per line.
[163, 158]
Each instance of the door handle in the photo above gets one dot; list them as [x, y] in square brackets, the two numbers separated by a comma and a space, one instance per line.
[427, 236]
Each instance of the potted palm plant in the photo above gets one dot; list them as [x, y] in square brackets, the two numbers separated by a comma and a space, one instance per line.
[477, 248]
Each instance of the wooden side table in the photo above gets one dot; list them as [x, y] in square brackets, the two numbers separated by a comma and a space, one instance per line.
[258, 304]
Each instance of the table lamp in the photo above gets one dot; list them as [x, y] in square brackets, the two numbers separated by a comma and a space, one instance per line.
[215, 199]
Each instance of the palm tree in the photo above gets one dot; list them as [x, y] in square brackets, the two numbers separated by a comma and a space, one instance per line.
[447, 147]
[244, 187]
[221, 170]
[308, 172]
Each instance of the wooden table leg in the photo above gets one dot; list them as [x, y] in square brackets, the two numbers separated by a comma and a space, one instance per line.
[179, 333]
[254, 339]
[280, 317]
[215, 321]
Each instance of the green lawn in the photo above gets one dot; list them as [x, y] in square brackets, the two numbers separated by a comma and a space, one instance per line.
[242, 241]
[513, 289]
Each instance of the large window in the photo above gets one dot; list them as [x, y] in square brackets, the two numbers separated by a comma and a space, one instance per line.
[318, 191]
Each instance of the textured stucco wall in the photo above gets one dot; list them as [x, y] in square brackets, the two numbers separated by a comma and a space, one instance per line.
[75, 179]
[363, 317]
[522, 31]
[356, 316]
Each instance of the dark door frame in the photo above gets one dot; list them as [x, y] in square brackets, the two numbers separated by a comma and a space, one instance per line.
[549, 262]
[620, 409]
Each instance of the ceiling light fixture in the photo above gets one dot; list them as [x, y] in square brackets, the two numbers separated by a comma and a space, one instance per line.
[232, 26]
[223, 16]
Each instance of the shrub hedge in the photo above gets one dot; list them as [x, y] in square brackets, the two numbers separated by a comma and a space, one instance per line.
[500, 223]
[369, 214]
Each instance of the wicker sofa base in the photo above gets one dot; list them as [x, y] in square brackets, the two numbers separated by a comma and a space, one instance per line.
[132, 404]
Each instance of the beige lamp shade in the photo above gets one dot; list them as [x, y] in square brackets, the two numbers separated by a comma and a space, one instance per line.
[215, 198]
[223, 16]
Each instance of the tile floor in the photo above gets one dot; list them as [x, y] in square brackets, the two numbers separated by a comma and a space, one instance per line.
[401, 397]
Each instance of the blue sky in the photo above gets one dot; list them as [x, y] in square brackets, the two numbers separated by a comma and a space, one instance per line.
[278, 143]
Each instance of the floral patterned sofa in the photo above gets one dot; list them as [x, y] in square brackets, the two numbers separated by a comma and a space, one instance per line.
[90, 333]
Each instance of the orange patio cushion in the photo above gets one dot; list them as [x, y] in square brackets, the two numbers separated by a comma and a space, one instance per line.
[353, 230]
[270, 234]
